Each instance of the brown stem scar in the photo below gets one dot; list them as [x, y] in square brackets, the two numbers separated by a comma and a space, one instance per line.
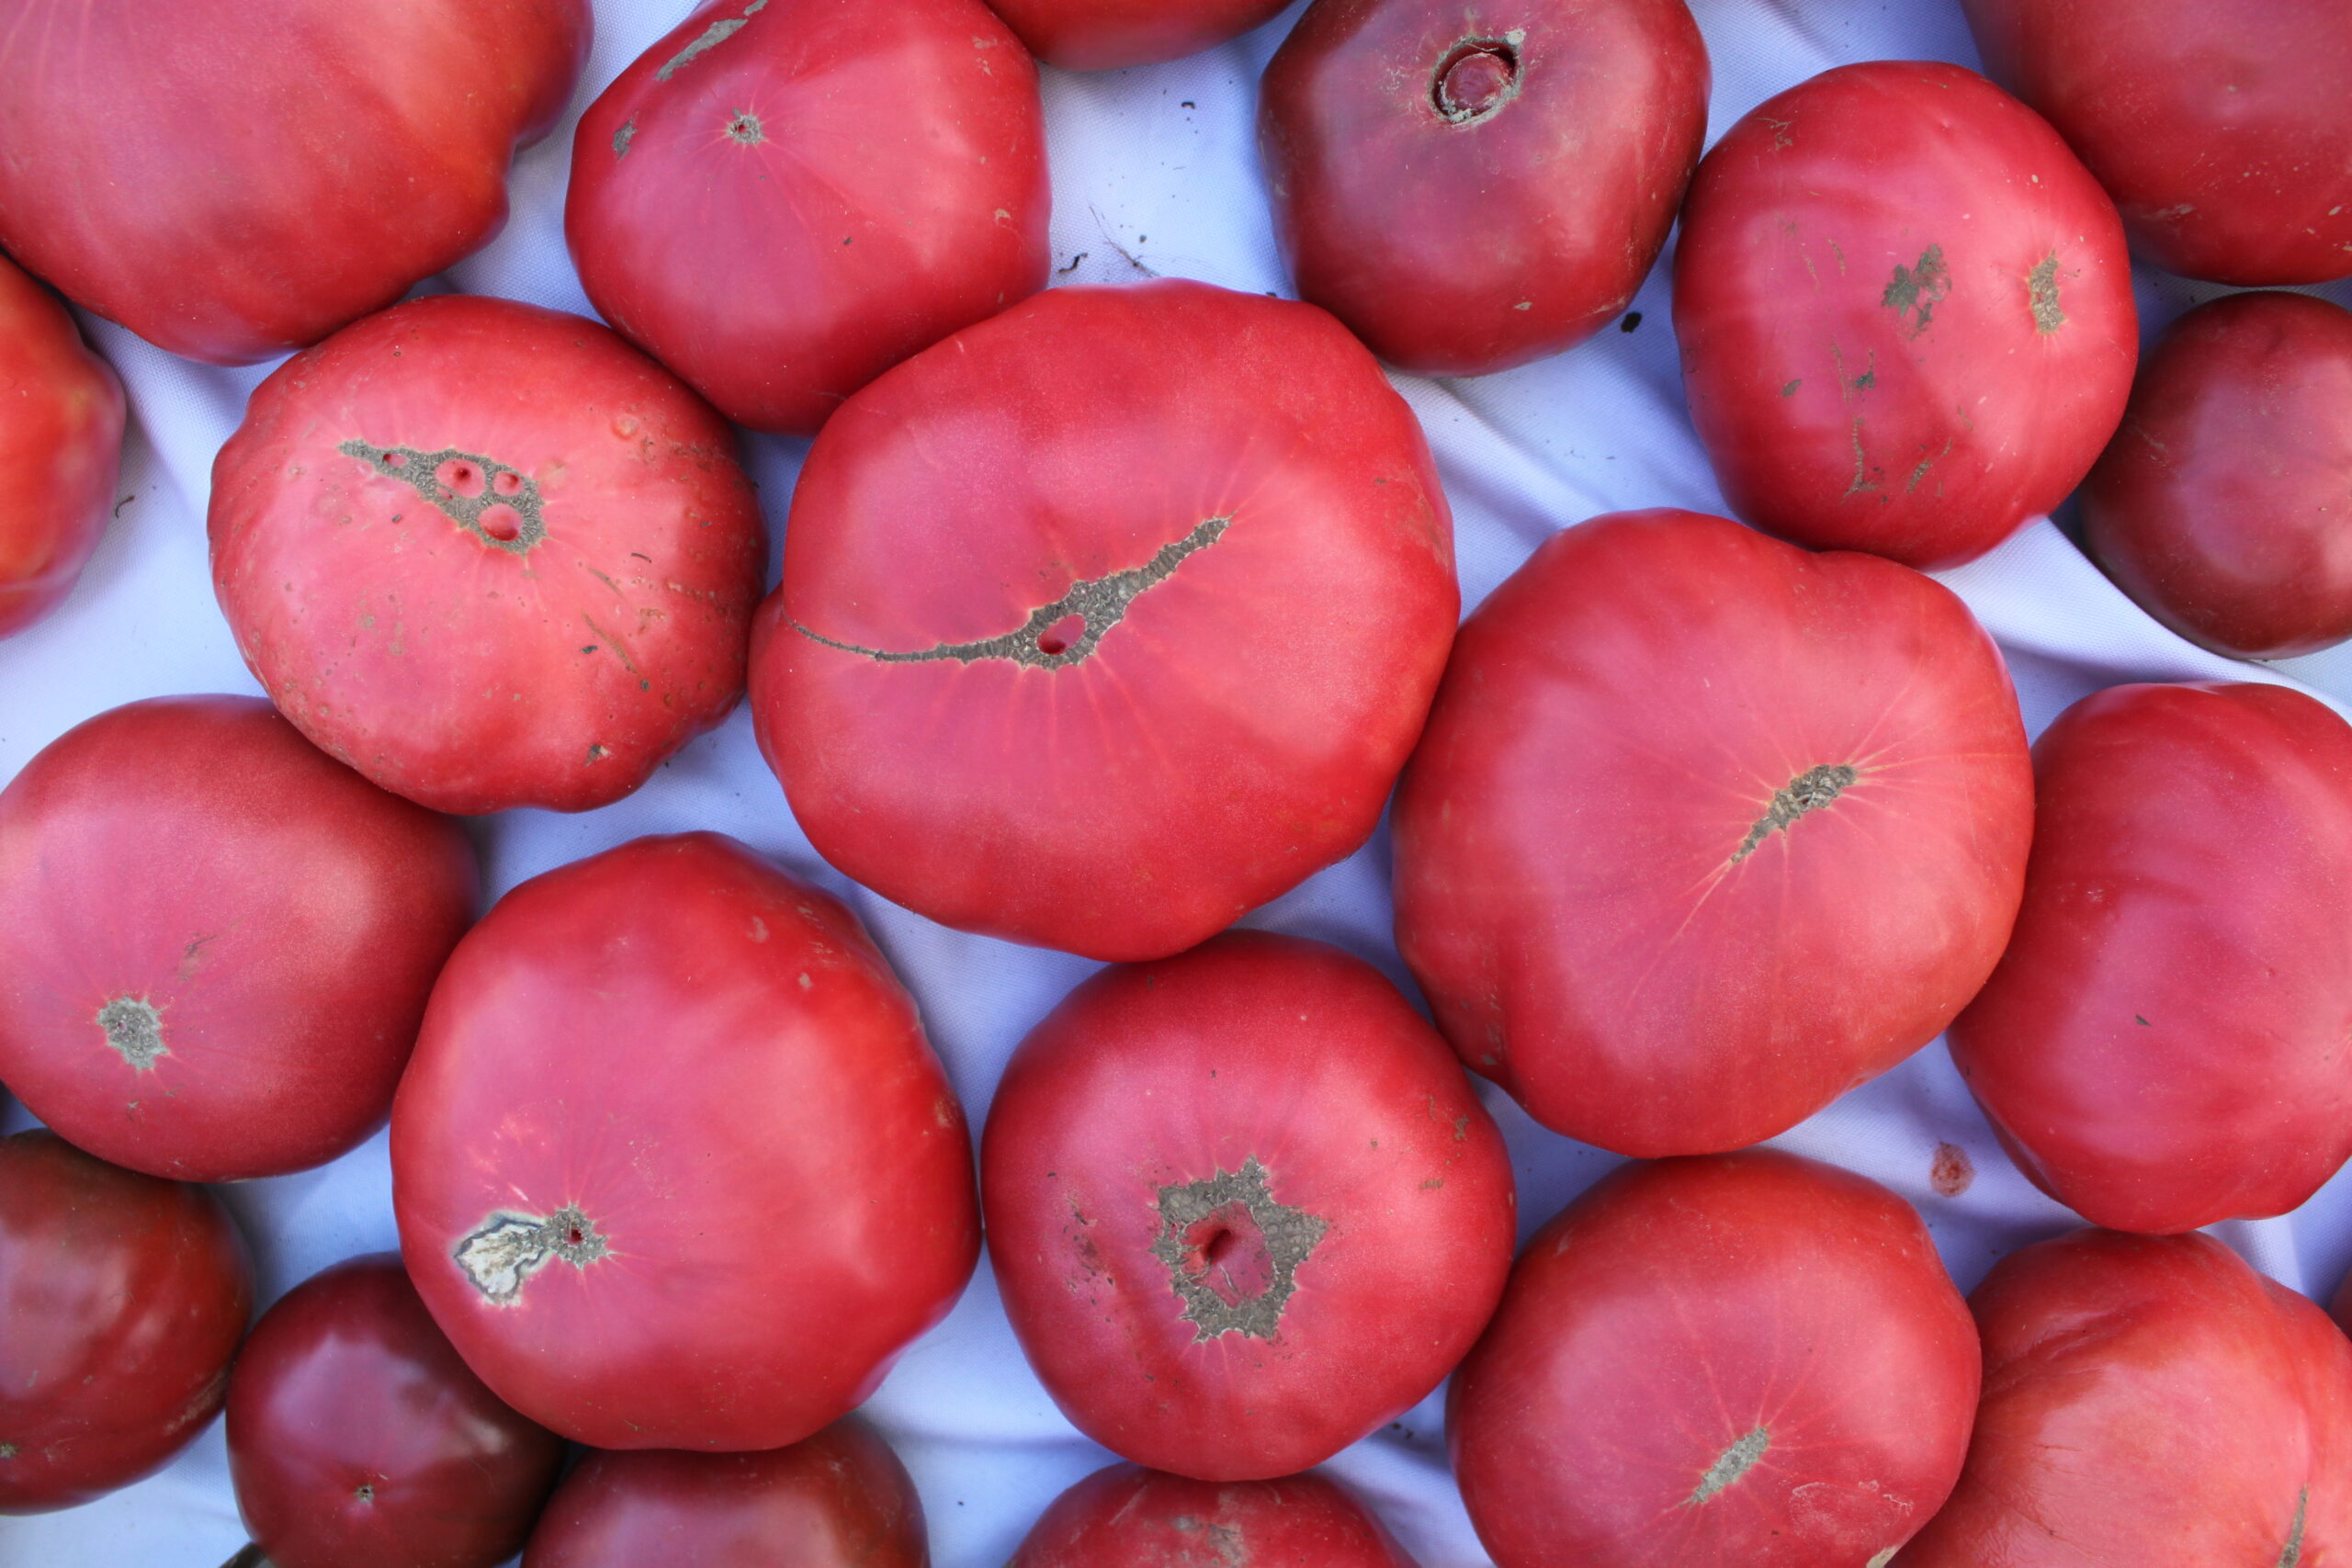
[2041, 284]
[500, 487]
[1809, 791]
[1286, 1237]
[1732, 1464]
[509, 1248]
[713, 36]
[134, 1027]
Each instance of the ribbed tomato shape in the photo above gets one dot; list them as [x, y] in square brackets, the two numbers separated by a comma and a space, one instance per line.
[1127, 1516]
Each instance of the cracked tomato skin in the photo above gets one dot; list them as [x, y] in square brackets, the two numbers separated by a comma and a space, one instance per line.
[124, 1297]
[1243, 1205]
[2150, 1401]
[2163, 1045]
[673, 1165]
[1905, 313]
[216, 942]
[1104, 35]
[1108, 619]
[1752, 1359]
[1706, 830]
[60, 449]
[746, 206]
[265, 171]
[489, 555]
[1127, 1516]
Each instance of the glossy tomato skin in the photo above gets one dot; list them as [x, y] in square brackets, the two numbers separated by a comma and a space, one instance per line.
[1243, 1206]
[1469, 188]
[358, 1440]
[124, 1297]
[2220, 126]
[2150, 1401]
[781, 202]
[2223, 506]
[1108, 619]
[1127, 1516]
[1752, 1359]
[673, 1165]
[2162, 1045]
[1706, 830]
[1103, 35]
[1905, 313]
[216, 942]
[487, 554]
[60, 449]
[280, 167]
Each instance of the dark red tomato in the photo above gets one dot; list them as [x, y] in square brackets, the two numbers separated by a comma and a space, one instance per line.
[2149, 1403]
[1751, 1358]
[268, 170]
[673, 1165]
[61, 447]
[124, 1297]
[2223, 506]
[2163, 1045]
[782, 202]
[1244, 1207]
[1706, 830]
[2221, 127]
[1130, 1517]
[1472, 188]
[1101, 35]
[216, 942]
[489, 555]
[358, 1440]
[1107, 619]
[1904, 310]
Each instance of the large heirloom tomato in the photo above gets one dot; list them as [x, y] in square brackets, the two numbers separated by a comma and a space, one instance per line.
[1904, 310]
[1101, 35]
[1108, 618]
[61, 447]
[1752, 1359]
[2163, 1045]
[673, 1165]
[216, 942]
[2150, 1401]
[1707, 829]
[780, 202]
[233, 178]
[1472, 188]
[1243, 1206]
[1127, 1516]
[489, 555]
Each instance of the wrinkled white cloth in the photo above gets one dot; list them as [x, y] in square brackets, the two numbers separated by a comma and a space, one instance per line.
[1155, 171]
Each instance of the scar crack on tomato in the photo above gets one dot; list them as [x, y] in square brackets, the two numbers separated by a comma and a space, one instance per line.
[510, 1247]
[713, 36]
[503, 495]
[2292, 1553]
[1198, 1220]
[1730, 1466]
[1915, 291]
[134, 1027]
[622, 138]
[1809, 791]
[2043, 284]
[1476, 77]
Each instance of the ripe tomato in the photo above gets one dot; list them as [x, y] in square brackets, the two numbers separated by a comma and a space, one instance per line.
[1706, 830]
[216, 942]
[1101, 35]
[1127, 1516]
[59, 450]
[489, 555]
[1904, 310]
[673, 1165]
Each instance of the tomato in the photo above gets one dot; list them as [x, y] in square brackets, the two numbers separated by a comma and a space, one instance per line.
[2223, 506]
[1127, 1516]
[782, 202]
[358, 1440]
[1101, 35]
[1706, 830]
[2163, 1045]
[233, 178]
[1109, 618]
[216, 943]
[673, 1165]
[2149, 1403]
[488, 555]
[1472, 188]
[124, 1297]
[1904, 310]
[2220, 126]
[1243, 1206]
[59, 450]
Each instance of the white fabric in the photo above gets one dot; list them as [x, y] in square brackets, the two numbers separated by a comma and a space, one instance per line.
[1155, 171]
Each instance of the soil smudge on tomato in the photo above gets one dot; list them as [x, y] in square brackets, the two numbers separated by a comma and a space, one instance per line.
[1915, 291]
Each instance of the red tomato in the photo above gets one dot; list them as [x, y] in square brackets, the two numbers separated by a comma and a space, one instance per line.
[2223, 506]
[124, 1297]
[1101, 35]
[1243, 1206]
[673, 1165]
[1705, 830]
[1109, 618]
[1129, 1518]
[59, 450]
[1904, 310]
[1753, 1359]
[2163, 1045]
[2221, 127]
[233, 178]
[216, 943]
[1472, 188]
[489, 555]
[358, 1440]
[782, 203]
[2149, 1403]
